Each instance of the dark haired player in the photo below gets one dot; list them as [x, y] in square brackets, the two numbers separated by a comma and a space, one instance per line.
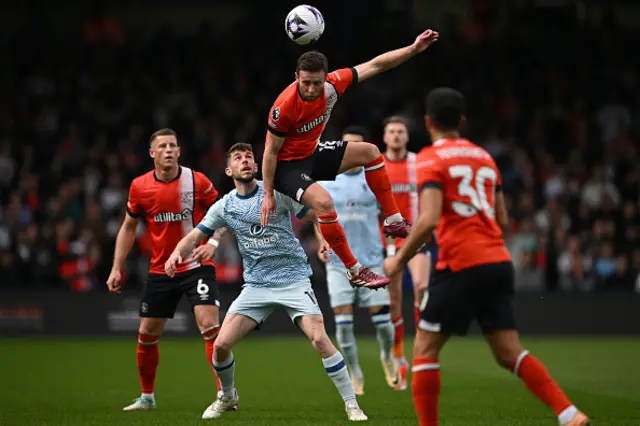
[460, 195]
[171, 199]
[294, 158]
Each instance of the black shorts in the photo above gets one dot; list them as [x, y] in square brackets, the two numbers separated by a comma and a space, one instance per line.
[162, 294]
[483, 293]
[295, 176]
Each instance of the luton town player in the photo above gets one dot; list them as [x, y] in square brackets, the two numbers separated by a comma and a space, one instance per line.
[401, 168]
[294, 158]
[171, 200]
[474, 279]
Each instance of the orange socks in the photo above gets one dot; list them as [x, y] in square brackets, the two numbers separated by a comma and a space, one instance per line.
[537, 379]
[378, 181]
[148, 357]
[209, 335]
[333, 233]
[425, 387]
[398, 337]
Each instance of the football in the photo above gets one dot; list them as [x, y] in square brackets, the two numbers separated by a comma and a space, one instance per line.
[304, 24]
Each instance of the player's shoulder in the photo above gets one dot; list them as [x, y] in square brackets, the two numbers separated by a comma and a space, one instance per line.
[288, 95]
[144, 180]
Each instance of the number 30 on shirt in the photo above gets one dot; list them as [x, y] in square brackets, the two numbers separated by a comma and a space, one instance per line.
[474, 187]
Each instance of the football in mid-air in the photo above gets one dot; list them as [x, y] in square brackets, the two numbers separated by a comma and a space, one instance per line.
[304, 24]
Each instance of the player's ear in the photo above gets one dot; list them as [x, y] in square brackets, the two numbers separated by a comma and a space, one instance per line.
[255, 167]
[227, 171]
[427, 122]
[296, 74]
[152, 153]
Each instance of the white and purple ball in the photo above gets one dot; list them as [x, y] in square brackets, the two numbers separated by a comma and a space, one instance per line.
[304, 24]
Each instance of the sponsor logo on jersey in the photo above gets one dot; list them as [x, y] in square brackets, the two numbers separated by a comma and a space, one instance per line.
[311, 125]
[399, 188]
[260, 241]
[166, 217]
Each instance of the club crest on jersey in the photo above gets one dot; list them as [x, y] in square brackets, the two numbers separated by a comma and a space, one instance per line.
[186, 197]
[275, 114]
[166, 217]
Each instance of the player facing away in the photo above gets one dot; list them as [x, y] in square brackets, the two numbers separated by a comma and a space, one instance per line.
[401, 168]
[294, 158]
[170, 199]
[461, 196]
[276, 275]
[358, 212]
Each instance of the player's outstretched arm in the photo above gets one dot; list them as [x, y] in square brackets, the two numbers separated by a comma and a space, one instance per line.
[269, 164]
[205, 252]
[124, 242]
[183, 249]
[393, 58]
[421, 232]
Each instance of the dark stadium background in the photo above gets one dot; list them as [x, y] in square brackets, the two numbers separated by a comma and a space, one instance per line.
[552, 87]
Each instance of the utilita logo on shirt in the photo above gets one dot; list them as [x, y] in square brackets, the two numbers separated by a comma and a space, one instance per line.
[310, 125]
[172, 217]
[400, 188]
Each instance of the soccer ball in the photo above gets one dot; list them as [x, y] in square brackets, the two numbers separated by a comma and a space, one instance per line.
[304, 24]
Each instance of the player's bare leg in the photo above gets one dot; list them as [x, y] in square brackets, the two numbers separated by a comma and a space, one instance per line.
[319, 200]
[425, 384]
[420, 269]
[509, 353]
[367, 155]
[234, 328]
[347, 342]
[381, 319]
[209, 326]
[395, 296]
[334, 363]
[148, 357]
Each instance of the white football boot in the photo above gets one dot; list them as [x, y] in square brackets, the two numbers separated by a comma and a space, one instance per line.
[390, 368]
[354, 412]
[141, 404]
[220, 405]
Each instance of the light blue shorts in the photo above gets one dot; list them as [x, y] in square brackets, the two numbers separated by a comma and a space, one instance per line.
[341, 293]
[257, 303]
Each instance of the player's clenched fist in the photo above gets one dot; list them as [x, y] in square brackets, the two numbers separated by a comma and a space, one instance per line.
[203, 253]
[114, 283]
[171, 265]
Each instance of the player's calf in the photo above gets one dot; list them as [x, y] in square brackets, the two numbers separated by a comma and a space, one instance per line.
[381, 319]
[347, 342]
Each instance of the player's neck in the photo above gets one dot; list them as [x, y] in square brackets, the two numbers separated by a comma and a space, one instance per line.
[438, 136]
[167, 175]
[246, 188]
[398, 154]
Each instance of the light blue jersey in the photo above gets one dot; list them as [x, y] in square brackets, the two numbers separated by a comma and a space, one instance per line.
[271, 256]
[357, 210]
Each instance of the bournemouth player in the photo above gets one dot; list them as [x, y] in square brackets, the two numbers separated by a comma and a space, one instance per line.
[401, 168]
[474, 278]
[170, 199]
[276, 275]
[294, 158]
[358, 214]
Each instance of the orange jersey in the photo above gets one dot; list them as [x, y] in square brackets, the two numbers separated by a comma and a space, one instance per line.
[302, 122]
[171, 210]
[404, 184]
[467, 234]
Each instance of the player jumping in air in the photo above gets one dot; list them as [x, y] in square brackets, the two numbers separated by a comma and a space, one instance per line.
[401, 168]
[276, 275]
[171, 199]
[460, 195]
[294, 158]
[358, 214]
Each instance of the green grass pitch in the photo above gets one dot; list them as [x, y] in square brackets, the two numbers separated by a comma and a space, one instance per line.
[281, 382]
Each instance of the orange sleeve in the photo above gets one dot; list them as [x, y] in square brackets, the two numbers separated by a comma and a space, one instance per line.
[342, 79]
[280, 118]
[429, 174]
[134, 209]
[206, 193]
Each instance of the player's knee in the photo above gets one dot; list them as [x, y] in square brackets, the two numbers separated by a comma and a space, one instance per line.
[321, 343]
[427, 345]
[506, 357]
[324, 205]
[371, 152]
[207, 323]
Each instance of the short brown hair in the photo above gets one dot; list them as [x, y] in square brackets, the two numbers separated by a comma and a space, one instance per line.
[162, 132]
[312, 61]
[240, 146]
[395, 119]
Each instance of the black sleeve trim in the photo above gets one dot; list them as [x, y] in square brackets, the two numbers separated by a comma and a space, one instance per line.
[132, 214]
[431, 185]
[276, 132]
[355, 76]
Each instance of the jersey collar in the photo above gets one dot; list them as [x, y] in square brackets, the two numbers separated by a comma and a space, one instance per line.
[155, 176]
[249, 195]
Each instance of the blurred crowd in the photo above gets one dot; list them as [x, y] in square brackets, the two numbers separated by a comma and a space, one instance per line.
[558, 109]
